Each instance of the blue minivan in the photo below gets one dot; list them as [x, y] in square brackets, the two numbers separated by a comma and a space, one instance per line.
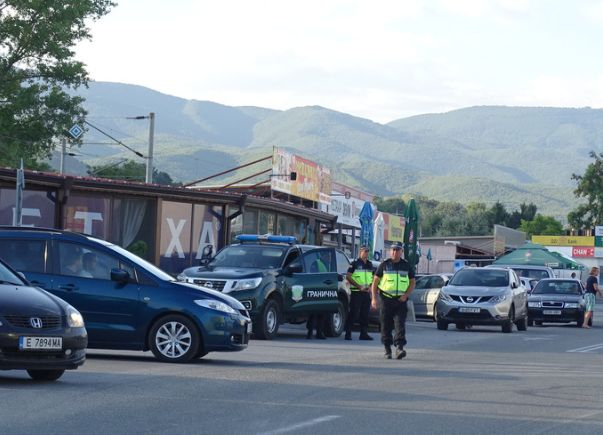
[127, 303]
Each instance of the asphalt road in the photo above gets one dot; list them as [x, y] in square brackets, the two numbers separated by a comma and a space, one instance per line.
[547, 380]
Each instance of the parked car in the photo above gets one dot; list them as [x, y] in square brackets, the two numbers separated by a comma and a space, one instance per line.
[528, 271]
[426, 292]
[127, 303]
[556, 301]
[39, 332]
[278, 281]
[483, 296]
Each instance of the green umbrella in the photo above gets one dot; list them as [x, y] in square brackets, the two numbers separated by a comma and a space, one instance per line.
[411, 231]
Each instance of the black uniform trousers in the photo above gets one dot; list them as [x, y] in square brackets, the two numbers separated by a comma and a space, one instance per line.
[360, 305]
[393, 316]
[317, 322]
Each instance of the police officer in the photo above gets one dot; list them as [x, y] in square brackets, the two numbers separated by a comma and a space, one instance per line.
[360, 277]
[394, 280]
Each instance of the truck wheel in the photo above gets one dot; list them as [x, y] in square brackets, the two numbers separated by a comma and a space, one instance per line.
[45, 375]
[336, 321]
[175, 339]
[268, 321]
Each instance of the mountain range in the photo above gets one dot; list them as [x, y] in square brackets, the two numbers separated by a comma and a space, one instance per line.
[486, 153]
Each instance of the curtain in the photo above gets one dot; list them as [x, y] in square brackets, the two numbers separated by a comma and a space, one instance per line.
[133, 211]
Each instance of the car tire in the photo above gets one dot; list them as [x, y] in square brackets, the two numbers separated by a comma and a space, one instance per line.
[460, 326]
[522, 324]
[435, 312]
[580, 320]
[590, 321]
[175, 339]
[442, 325]
[336, 321]
[268, 322]
[507, 326]
[45, 375]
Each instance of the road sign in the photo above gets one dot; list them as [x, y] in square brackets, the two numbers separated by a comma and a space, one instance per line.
[76, 131]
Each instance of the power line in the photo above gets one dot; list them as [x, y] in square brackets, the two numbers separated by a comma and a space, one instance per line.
[116, 140]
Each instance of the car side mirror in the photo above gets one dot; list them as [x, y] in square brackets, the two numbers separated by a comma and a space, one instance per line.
[293, 268]
[513, 284]
[120, 276]
[204, 261]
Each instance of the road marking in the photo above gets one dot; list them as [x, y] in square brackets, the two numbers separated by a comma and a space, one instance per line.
[302, 425]
[587, 348]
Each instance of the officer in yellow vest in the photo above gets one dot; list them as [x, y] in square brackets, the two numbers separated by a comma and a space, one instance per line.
[394, 280]
[360, 277]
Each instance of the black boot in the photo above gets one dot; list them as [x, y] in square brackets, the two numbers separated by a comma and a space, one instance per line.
[348, 335]
[309, 334]
[320, 335]
[364, 335]
[388, 352]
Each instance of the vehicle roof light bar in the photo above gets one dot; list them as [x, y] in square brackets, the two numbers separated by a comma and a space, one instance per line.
[266, 238]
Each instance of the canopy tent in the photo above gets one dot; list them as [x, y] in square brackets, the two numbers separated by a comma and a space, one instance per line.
[537, 255]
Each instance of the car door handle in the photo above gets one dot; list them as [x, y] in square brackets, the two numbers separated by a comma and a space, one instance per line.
[69, 287]
[328, 282]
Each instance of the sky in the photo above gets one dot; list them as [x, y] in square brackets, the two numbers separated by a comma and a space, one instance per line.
[378, 59]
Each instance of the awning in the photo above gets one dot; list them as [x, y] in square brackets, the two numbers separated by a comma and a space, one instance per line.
[537, 255]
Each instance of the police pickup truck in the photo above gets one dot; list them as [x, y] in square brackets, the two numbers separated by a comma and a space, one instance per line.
[278, 281]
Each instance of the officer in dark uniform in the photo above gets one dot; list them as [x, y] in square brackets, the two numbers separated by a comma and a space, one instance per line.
[394, 280]
[360, 277]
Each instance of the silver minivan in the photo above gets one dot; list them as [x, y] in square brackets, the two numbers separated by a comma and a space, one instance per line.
[483, 296]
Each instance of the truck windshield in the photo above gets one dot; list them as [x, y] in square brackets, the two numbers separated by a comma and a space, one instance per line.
[246, 256]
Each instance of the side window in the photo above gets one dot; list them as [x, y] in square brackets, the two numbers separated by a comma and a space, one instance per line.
[24, 255]
[86, 262]
[343, 263]
[319, 261]
[290, 257]
[437, 282]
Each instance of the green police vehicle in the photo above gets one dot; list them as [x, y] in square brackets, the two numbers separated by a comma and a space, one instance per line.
[278, 281]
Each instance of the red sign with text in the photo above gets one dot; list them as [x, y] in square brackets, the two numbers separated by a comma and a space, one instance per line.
[583, 251]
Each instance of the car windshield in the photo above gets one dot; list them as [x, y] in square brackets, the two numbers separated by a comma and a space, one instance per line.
[249, 256]
[480, 277]
[151, 268]
[8, 277]
[557, 287]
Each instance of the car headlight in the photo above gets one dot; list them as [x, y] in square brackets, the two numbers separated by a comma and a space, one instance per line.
[498, 299]
[571, 305]
[74, 318]
[443, 296]
[534, 304]
[213, 304]
[247, 284]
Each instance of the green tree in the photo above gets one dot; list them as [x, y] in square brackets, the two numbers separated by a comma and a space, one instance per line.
[129, 170]
[542, 225]
[37, 70]
[498, 214]
[590, 187]
[395, 205]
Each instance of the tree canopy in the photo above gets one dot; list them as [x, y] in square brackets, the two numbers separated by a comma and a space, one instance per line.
[590, 187]
[129, 170]
[37, 70]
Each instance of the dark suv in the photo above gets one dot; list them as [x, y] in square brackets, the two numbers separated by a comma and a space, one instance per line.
[278, 281]
[126, 302]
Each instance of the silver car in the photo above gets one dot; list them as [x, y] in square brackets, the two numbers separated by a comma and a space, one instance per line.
[425, 295]
[483, 296]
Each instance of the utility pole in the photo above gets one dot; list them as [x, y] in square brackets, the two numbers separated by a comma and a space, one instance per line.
[149, 177]
[63, 151]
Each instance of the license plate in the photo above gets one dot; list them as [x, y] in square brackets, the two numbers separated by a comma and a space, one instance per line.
[40, 343]
[552, 312]
[469, 310]
[249, 328]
